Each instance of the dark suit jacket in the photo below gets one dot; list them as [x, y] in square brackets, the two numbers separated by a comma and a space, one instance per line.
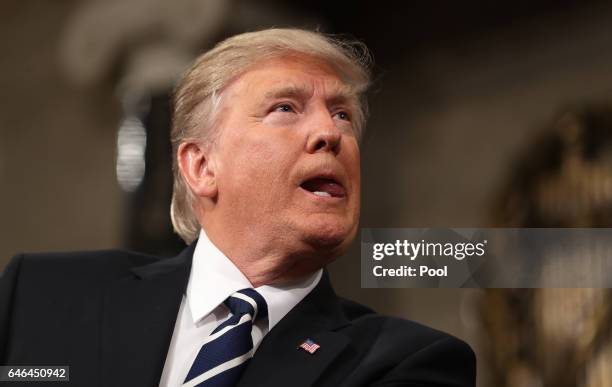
[110, 315]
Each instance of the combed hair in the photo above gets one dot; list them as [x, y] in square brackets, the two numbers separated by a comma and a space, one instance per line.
[198, 94]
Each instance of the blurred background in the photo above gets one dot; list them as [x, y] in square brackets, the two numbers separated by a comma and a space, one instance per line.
[482, 114]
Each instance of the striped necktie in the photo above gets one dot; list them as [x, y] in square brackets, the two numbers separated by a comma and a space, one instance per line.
[227, 350]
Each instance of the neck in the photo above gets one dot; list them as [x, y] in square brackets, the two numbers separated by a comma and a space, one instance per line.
[262, 260]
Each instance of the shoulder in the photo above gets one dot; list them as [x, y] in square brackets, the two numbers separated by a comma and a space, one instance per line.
[391, 330]
[92, 265]
[405, 351]
[63, 287]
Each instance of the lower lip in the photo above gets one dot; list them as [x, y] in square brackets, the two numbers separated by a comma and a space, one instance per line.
[331, 199]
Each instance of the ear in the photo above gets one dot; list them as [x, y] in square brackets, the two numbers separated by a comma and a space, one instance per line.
[195, 165]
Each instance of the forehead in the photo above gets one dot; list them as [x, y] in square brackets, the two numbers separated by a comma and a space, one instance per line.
[291, 74]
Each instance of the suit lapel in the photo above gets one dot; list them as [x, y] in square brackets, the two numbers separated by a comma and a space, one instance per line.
[280, 362]
[139, 313]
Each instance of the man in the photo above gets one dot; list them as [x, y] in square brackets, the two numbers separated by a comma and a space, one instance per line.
[266, 142]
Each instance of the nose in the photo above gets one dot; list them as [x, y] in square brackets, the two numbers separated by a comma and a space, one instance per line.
[324, 138]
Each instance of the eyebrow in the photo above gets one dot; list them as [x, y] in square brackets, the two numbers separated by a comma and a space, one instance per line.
[288, 92]
[342, 94]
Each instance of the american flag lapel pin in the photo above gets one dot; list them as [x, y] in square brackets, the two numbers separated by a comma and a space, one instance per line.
[309, 346]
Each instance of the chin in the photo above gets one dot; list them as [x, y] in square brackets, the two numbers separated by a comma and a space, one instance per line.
[330, 238]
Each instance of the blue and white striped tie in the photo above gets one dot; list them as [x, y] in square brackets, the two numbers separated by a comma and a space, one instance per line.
[227, 351]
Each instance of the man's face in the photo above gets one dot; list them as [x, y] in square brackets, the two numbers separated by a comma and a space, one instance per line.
[287, 157]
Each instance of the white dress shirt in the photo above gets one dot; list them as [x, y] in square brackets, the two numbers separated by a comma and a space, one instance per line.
[213, 278]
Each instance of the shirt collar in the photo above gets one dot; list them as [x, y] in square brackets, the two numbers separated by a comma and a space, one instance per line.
[214, 277]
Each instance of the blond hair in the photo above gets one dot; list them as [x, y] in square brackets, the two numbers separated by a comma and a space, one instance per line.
[198, 94]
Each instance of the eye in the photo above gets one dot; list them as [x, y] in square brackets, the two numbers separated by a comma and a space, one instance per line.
[343, 116]
[284, 108]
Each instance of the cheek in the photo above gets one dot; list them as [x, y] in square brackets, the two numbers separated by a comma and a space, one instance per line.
[256, 165]
[353, 166]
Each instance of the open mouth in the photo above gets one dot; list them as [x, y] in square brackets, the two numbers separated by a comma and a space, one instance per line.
[324, 187]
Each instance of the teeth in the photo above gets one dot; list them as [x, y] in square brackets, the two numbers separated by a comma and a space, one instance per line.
[321, 193]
